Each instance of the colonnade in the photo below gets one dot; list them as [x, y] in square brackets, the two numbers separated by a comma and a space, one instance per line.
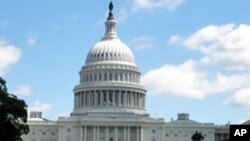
[109, 98]
[110, 76]
[111, 133]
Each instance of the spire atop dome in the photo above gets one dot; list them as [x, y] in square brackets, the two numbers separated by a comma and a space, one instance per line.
[110, 24]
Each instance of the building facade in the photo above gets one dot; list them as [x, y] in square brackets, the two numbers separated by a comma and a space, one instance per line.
[109, 103]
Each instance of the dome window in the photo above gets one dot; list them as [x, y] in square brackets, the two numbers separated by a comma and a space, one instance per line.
[105, 77]
[110, 76]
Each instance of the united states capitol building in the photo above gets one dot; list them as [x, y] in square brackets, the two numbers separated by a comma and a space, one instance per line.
[109, 103]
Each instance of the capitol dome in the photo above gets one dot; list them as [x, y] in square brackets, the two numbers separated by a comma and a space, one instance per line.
[109, 79]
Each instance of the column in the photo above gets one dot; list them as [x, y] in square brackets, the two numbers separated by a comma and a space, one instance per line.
[77, 100]
[98, 132]
[116, 136]
[128, 133]
[81, 133]
[95, 98]
[88, 95]
[107, 134]
[85, 133]
[137, 133]
[133, 99]
[126, 99]
[113, 98]
[85, 99]
[81, 99]
[94, 133]
[107, 96]
[141, 133]
[125, 128]
[101, 98]
[119, 98]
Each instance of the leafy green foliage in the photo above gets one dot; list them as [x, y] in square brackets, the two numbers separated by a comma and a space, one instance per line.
[13, 115]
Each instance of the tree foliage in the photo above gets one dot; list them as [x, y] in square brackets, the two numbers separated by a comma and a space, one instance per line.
[13, 115]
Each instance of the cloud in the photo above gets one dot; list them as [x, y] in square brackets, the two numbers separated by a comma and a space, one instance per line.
[41, 107]
[189, 81]
[240, 98]
[142, 42]
[9, 55]
[182, 80]
[23, 90]
[226, 46]
[152, 4]
[32, 40]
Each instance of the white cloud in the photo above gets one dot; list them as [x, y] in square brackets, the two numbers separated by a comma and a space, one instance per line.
[183, 80]
[151, 4]
[187, 80]
[240, 98]
[9, 55]
[226, 46]
[142, 42]
[41, 107]
[23, 90]
[32, 40]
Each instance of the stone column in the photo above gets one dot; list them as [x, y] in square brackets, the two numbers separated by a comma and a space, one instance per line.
[113, 98]
[116, 136]
[94, 133]
[107, 134]
[81, 133]
[81, 95]
[137, 133]
[141, 133]
[85, 133]
[107, 97]
[128, 133]
[119, 98]
[101, 98]
[95, 98]
[125, 134]
[98, 132]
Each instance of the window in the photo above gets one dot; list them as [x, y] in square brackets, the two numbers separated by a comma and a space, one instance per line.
[105, 77]
[44, 133]
[116, 77]
[121, 78]
[100, 77]
[95, 77]
[153, 131]
[110, 76]
[68, 130]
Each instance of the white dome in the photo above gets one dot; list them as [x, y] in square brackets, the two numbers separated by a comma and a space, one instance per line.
[110, 51]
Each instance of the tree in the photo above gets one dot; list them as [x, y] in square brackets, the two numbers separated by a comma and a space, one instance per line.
[13, 115]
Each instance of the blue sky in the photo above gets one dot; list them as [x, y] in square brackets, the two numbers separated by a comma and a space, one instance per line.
[194, 55]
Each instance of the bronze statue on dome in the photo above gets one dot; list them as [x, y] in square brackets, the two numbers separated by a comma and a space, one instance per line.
[111, 6]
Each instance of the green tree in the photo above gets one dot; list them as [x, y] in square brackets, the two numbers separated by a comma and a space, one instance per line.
[13, 115]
